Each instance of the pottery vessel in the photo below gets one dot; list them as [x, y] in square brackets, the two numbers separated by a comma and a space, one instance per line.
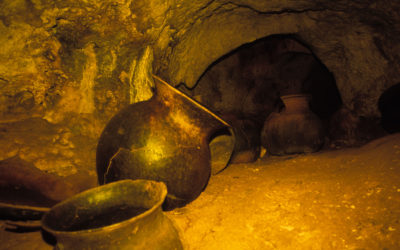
[165, 139]
[26, 192]
[296, 129]
[121, 215]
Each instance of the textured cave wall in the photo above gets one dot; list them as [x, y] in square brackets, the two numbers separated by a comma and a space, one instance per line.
[79, 57]
[356, 40]
[65, 68]
[75, 63]
[86, 56]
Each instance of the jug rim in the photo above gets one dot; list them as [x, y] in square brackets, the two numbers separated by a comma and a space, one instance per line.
[113, 226]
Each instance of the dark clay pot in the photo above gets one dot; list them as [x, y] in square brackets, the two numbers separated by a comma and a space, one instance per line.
[121, 215]
[294, 130]
[165, 139]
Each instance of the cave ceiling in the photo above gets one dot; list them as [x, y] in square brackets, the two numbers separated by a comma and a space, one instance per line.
[97, 56]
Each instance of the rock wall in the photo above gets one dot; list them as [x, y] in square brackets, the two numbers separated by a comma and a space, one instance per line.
[65, 68]
[82, 57]
[356, 40]
[74, 57]
[75, 63]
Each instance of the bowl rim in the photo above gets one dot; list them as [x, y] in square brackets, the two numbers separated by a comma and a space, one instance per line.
[113, 226]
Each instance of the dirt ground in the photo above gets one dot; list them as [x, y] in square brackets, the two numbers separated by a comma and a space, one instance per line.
[334, 199]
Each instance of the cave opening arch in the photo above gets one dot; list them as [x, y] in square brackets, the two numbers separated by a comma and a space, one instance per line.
[244, 86]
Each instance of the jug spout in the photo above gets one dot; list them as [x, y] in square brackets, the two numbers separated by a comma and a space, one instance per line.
[187, 112]
[216, 126]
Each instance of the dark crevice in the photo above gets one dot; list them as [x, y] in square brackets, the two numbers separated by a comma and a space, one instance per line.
[276, 12]
[380, 47]
[231, 6]
[3, 79]
[388, 104]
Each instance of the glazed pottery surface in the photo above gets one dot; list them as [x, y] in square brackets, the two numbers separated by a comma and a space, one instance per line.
[296, 129]
[164, 139]
[125, 214]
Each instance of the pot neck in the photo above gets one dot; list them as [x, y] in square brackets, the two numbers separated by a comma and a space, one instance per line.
[296, 103]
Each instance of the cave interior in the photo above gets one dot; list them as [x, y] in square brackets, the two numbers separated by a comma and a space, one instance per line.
[67, 68]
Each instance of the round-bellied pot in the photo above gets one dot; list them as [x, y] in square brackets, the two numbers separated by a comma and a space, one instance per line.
[165, 139]
[296, 129]
[121, 215]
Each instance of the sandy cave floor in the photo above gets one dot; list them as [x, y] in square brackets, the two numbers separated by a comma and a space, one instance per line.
[340, 199]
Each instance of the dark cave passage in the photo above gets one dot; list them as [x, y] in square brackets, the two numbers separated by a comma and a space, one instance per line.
[244, 86]
[388, 104]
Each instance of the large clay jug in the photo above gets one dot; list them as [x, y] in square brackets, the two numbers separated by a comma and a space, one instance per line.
[125, 214]
[164, 139]
[296, 129]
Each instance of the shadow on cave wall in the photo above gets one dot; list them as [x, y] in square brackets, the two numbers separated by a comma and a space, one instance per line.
[245, 85]
[388, 104]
